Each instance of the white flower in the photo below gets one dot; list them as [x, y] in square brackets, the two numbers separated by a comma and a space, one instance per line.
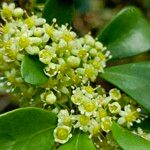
[30, 22]
[128, 116]
[115, 94]
[32, 50]
[64, 118]
[11, 5]
[48, 97]
[101, 113]
[106, 123]
[49, 29]
[77, 97]
[83, 122]
[55, 110]
[121, 120]
[62, 134]
[90, 72]
[51, 70]
[89, 40]
[39, 21]
[45, 38]
[18, 12]
[94, 128]
[35, 40]
[73, 61]
[98, 45]
[80, 71]
[46, 56]
[93, 52]
[106, 100]
[114, 107]
[88, 107]
[64, 90]
[7, 10]
[56, 35]
[38, 32]
[89, 91]
[62, 43]
[24, 42]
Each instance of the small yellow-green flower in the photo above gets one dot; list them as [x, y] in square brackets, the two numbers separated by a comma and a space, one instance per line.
[62, 134]
[106, 123]
[115, 94]
[114, 107]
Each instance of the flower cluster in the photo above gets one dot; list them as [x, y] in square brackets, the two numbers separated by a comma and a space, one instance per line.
[72, 65]
[94, 111]
[69, 61]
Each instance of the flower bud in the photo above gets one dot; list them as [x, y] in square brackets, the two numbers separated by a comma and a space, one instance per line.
[73, 61]
[33, 50]
[50, 98]
[38, 32]
[18, 12]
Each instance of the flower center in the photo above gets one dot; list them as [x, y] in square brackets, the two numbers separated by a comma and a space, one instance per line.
[115, 94]
[84, 120]
[89, 89]
[130, 117]
[7, 12]
[24, 42]
[106, 124]
[67, 121]
[90, 72]
[76, 99]
[102, 113]
[30, 22]
[89, 106]
[62, 133]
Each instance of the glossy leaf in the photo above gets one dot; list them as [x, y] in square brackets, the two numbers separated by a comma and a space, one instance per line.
[79, 141]
[27, 129]
[128, 34]
[129, 141]
[32, 70]
[62, 10]
[133, 79]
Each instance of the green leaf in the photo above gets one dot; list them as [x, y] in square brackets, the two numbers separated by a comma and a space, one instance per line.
[79, 141]
[27, 129]
[129, 141]
[128, 34]
[62, 10]
[133, 79]
[32, 70]
[40, 1]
